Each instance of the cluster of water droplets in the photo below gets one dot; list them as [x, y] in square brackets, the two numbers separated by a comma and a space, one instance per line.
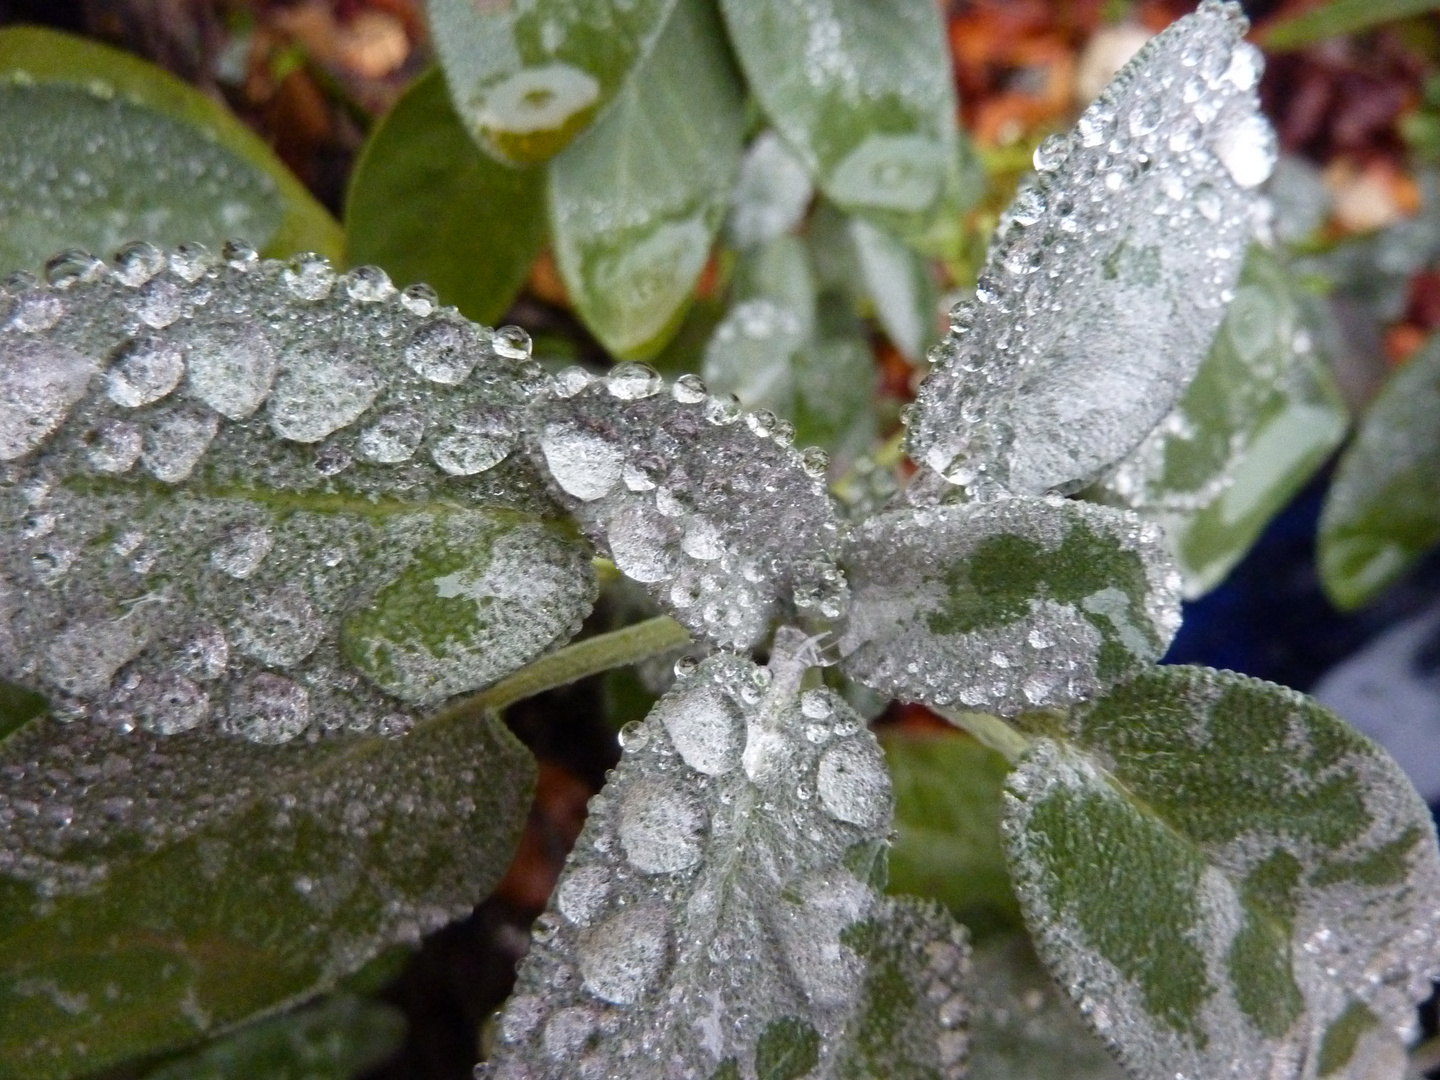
[725, 522]
[947, 611]
[709, 893]
[208, 463]
[1109, 274]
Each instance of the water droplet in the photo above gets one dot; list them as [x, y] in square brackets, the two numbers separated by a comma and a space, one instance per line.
[160, 303]
[189, 262]
[116, 447]
[268, 709]
[40, 382]
[1028, 207]
[511, 343]
[853, 783]
[722, 409]
[73, 266]
[705, 727]
[584, 464]
[240, 255]
[815, 462]
[420, 299]
[624, 956]
[480, 442]
[279, 629]
[566, 384]
[661, 827]
[1051, 153]
[137, 263]
[368, 285]
[1207, 201]
[689, 390]
[170, 704]
[445, 351]
[242, 551]
[567, 1032]
[633, 382]
[816, 705]
[583, 894]
[702, 539]
[205, 655]
[321, 390]
[642, 546]
[394, 437]
[1247, 149]
[231, 367]
[144, 370]
[309, 276]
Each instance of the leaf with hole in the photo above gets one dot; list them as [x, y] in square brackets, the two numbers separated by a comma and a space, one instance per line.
[98, 148]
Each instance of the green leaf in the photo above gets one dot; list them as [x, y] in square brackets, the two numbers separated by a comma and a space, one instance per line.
[1023, 1026]
[428, 206]
[1339, 17]
[1006, 606]
[527, 79]
[1261, 416]
[1220, 871]
[947, 827]
[246, 504]
[1107, 279]
[1383, 509]
[771, 195]
[101, 148]
[863, 95]
[334, 1040]
[635, 205]
[719, 915]
[899, 285]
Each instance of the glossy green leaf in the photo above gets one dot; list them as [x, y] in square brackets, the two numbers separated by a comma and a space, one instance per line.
[1227, 878]
[1383, 509]
[1261, 416]
[720, 913]
[334, 1040]
[862, 93]
[1339, 17]
[98, 148]
[528, 78]
[1006, 606]
[247, 504]
[636, 204]
[1023, 1026]
[428, 206]
[947, 827]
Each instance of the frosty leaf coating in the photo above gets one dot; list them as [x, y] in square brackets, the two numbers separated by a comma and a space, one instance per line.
[725, 523]
[718, 913]
[1106, 279]
[1017, 604]
[264, 498]
[1267, 900]
[1259, 418]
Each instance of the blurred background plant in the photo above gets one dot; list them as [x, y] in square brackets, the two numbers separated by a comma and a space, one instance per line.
[688, 207]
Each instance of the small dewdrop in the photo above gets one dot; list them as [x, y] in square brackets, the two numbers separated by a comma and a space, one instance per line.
[511, 343]
[240, 255]
[368, 285]
[815, 461]
[689, 390]
[419, 300]
[309, 276]
[137, 263]
[72, 267]
[569, 382]
[633, 382]
[722, 409]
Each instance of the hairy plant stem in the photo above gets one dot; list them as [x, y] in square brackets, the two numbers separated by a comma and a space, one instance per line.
[989, 731]
[589, 657]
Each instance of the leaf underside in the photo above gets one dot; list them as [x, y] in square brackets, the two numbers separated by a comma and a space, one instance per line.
[1266, 900]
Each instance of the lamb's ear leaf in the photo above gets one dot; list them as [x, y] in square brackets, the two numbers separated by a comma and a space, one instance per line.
[771, 194]
[337, 1039]
[899, 287]
[165, 163]
[746, 819]
[1107, 279]
[526, 82]
[1024, 1026]
[1261, 416]
[244, 503]
[1226, 877]
[727, 525]
[872, 113]
[1002, 607]
[947, 826]
[1383, 509]
[635, 204]
[428, 206]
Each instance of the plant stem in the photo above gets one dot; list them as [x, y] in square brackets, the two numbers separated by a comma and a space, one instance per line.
[589, 657]
[989, 731]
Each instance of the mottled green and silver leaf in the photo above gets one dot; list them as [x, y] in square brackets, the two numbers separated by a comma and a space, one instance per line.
[528, 77]
[635, 205]
[724, 522]
[863, 96]
[264, 499]
[1006, 606]
[1261, 416]
[720, 913]
[1108, 277]
[1383, 509]
[1229, 880]
[98, 147]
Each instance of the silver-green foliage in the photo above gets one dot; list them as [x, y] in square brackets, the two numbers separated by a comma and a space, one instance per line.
[263, 522]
